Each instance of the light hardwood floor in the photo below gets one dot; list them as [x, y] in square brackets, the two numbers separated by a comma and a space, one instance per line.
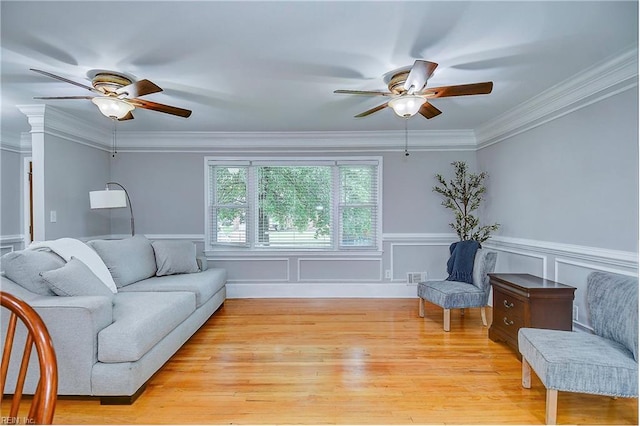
[343, 361]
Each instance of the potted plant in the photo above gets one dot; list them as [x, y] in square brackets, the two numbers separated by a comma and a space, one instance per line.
[463, 195]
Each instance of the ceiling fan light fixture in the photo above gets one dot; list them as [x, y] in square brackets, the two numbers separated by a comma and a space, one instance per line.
[112, 107]
[407, 106]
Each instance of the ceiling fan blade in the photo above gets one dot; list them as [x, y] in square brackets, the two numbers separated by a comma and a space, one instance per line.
[129, 116]
[372, 110]
[66, 80]
[418, 76]
[460, 90]
[168, 109]
[364, 92]
[429, 111]
[139, 88]
[63, 97]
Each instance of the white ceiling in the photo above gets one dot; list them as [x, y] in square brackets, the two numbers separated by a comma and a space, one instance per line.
[273, 65]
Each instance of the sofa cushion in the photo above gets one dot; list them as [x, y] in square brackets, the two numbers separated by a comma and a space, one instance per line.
[203, 284]
[579, 362]
[23, 267]
[129, 260]
[75, 279]
[140, 321]
[175, 257]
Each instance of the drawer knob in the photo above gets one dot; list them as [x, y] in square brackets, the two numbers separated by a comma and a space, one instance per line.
[507, 322]
[507, 304]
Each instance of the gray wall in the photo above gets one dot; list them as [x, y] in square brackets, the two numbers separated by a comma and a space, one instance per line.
[167, 190]
[410, 205]
[566, 194]
[72, 170]
[573, 180]
[11, 226]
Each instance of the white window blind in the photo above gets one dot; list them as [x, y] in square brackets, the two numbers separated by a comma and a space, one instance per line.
[358, 207]
[294, 204]
[229, 207]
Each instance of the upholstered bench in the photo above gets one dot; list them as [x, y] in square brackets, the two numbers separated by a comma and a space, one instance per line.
[603, 363]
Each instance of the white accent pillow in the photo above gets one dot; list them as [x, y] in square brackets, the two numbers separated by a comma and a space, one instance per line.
[175, 257]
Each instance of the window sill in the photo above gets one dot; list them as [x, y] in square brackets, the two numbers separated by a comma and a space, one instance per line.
[235, 252]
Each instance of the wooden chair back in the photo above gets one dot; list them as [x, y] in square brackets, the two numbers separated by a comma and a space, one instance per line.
[44, 399]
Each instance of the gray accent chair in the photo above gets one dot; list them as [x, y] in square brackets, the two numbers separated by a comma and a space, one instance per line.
[602, 363]
[460, 295]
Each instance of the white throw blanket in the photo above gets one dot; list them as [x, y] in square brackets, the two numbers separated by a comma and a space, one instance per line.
[67, 248]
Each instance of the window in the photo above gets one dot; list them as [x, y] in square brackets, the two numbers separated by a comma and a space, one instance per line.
[302, 204]
[358, 205]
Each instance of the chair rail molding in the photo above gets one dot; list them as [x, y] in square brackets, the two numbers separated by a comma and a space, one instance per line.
[425, 238]
[614, 258]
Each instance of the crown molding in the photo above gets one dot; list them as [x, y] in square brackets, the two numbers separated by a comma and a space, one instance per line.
[18, 146]
[610, 77]
[294, 141]
[52, 121]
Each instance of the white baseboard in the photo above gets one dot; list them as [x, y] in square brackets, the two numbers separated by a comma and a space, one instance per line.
[319, 290]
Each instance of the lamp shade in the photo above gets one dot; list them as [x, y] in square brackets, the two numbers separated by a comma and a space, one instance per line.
[107, 199]
[407, 106]
[112, 107]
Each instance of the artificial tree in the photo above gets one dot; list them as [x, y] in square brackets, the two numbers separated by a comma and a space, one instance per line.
[463, 195]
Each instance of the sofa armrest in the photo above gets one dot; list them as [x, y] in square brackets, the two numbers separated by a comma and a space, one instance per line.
[73, 324]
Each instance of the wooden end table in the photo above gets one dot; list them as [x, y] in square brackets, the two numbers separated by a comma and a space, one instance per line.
[523, 300]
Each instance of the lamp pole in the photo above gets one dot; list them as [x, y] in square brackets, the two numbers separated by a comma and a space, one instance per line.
[128, 202]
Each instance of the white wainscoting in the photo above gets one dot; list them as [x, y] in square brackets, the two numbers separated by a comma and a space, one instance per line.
[358, 274]
[254, 270]
[564, 263]
[9, 243]
[418, 253]
[339, 269]
[341, 275]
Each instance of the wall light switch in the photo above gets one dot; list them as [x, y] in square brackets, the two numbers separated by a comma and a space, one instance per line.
[53, 216]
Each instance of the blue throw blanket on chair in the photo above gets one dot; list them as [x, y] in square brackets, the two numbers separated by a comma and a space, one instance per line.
[460, 264]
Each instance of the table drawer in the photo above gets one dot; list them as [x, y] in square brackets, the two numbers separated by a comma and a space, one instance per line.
[523, 300]
[509, 323]
[508, 305]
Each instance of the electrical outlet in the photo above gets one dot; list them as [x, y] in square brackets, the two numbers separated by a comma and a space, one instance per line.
[53, 216]
[387, 274]
[575, 312]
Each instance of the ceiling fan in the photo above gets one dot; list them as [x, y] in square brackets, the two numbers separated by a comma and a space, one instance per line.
[410, 94]
[117, 95]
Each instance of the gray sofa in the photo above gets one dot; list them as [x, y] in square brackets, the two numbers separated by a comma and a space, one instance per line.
[110, 342]
[602, 363]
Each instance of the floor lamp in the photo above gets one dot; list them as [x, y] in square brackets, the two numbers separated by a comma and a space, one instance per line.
[111, 199]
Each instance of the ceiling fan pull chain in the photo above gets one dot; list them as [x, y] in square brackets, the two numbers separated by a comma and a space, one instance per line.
[406, 137]
[114, 148]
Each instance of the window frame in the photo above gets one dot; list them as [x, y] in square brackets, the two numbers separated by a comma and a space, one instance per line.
[336, 226]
